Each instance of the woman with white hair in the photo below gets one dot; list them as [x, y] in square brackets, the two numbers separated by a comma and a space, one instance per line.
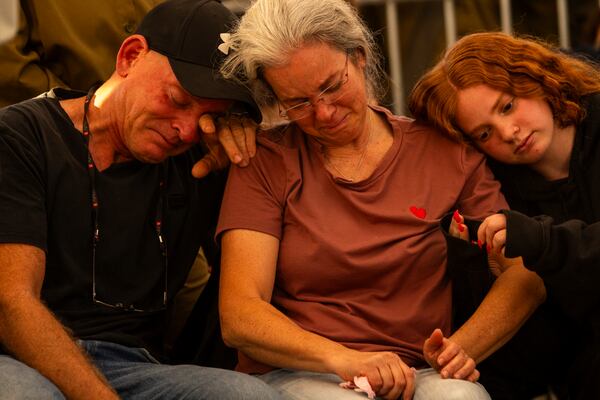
[333, 265]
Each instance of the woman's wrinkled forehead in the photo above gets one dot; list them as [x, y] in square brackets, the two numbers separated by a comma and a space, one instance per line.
[307, 69]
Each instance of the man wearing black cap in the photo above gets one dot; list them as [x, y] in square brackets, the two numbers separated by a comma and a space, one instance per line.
[101, 218]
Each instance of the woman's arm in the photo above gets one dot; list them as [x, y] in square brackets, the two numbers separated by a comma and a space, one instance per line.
[514, 296]
[251, 324]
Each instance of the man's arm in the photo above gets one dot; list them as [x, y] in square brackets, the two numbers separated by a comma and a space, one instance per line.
[33, 335]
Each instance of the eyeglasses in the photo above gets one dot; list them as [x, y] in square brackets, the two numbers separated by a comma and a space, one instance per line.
[96, 234]
[123, 305]
[329, 95]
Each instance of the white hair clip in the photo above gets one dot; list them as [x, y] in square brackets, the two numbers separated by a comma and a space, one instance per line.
[224, 47]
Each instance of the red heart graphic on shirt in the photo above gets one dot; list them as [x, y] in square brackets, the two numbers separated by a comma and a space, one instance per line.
[418, 212]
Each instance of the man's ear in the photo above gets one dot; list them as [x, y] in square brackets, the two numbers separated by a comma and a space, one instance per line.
[132, 48]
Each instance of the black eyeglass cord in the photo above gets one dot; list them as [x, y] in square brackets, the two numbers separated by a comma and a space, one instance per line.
[92, 170]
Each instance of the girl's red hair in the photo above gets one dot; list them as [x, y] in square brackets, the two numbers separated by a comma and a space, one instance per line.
[522, 67]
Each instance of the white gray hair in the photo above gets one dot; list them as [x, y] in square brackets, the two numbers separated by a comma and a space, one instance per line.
[271, 30]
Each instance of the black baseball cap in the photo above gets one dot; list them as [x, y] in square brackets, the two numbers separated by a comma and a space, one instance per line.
[189, 33]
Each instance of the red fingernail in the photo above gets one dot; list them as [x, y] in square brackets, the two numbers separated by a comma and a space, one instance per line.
[461, 227]
[456, 216]
[488, 247]
[479, 243]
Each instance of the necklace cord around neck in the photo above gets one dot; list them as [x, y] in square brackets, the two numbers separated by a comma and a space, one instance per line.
[92, 170]
[361, 159]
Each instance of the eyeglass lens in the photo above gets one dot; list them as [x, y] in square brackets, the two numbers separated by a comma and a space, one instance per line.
[329, 95]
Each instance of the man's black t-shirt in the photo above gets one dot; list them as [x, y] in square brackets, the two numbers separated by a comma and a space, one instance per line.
[45, 201]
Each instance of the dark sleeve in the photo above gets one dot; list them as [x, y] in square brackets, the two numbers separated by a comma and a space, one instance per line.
[209, 245]
[566, 256]
[22, 189]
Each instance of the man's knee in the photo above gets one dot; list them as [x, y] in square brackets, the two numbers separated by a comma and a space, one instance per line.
[18, 381]
[195, 382]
